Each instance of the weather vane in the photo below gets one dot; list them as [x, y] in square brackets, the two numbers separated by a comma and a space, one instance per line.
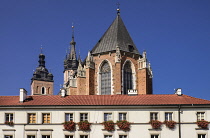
[118, 7]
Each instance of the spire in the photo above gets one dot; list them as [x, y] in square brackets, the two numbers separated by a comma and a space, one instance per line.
[116, 35]
[71, 62]
[72, 54]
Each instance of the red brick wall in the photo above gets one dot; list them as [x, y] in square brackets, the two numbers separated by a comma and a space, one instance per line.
[40, 84]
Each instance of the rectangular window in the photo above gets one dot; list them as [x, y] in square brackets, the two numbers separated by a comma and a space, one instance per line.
[69, 136]
[31, 118]
[83, 136]
[68, 117]
[201, 135]
[108, 136]
[45, 136]
[123, 136]
[46, 119]
[8, 136]
[168, 116]
[153, 116]
[107, 116]
[83, 116]
[9, 117]
[154, 136]
[122, 116]
[200, 116]
[30, 136]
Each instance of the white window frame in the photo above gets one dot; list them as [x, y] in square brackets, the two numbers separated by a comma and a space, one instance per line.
[83, 135]
[152, 116]
[200, 116]
[124, 115]
[46, 136]
[69, 136]
[109, 118]
[43, 118]
[30, 136]
[202, 135]
[69, 118]
[108, 136]
[168, 117]
[13, 117]
[155, 136]
[123, 136]
[8, 136]
[83, 117]
[28, 118]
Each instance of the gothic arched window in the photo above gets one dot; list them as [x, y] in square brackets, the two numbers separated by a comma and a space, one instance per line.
[105, 79]
[127, 77]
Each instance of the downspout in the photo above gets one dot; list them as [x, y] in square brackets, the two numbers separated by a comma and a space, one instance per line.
[179, 119]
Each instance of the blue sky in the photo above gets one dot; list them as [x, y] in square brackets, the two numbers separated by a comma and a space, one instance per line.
[175, 34]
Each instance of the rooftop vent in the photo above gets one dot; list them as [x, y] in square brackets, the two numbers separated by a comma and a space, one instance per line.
[63, 92]
[132, 92]
[178, 91]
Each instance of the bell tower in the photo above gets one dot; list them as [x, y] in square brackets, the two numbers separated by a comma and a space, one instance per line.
[70, 68]
[42, 81]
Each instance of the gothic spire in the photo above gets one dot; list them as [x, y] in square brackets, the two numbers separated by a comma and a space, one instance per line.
[72, 54]
[71, 62]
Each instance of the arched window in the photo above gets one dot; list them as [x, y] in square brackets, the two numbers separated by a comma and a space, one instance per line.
[105, 79]
[127, 77]
[43, 90]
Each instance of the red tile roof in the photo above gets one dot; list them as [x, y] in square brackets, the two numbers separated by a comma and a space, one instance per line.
[155, 99]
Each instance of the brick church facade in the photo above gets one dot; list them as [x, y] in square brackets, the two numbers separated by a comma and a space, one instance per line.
[113, 83]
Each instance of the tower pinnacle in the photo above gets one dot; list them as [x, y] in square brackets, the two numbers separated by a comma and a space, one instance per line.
[118, 8]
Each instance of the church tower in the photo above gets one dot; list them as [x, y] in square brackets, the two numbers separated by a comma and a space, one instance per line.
[113, 66]
[70, 68]
[119, 67]
[42, 80]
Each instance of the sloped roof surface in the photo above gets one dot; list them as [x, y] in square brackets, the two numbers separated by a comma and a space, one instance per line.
[116, 35]
[75, 100]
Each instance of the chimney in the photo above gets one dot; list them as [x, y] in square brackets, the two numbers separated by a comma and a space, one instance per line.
[178, 91]
[63, 92]
[23, 95]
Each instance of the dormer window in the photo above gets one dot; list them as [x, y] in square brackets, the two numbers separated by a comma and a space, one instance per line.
[130, 48]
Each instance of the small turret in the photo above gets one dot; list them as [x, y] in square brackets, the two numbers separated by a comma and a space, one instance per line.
[89, 61]
[41, 73]
[71, 62]
[42, 81]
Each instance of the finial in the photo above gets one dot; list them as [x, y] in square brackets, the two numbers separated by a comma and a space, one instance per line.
[72, 30]
[41, 49]
[118, 8]
[72, 41]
